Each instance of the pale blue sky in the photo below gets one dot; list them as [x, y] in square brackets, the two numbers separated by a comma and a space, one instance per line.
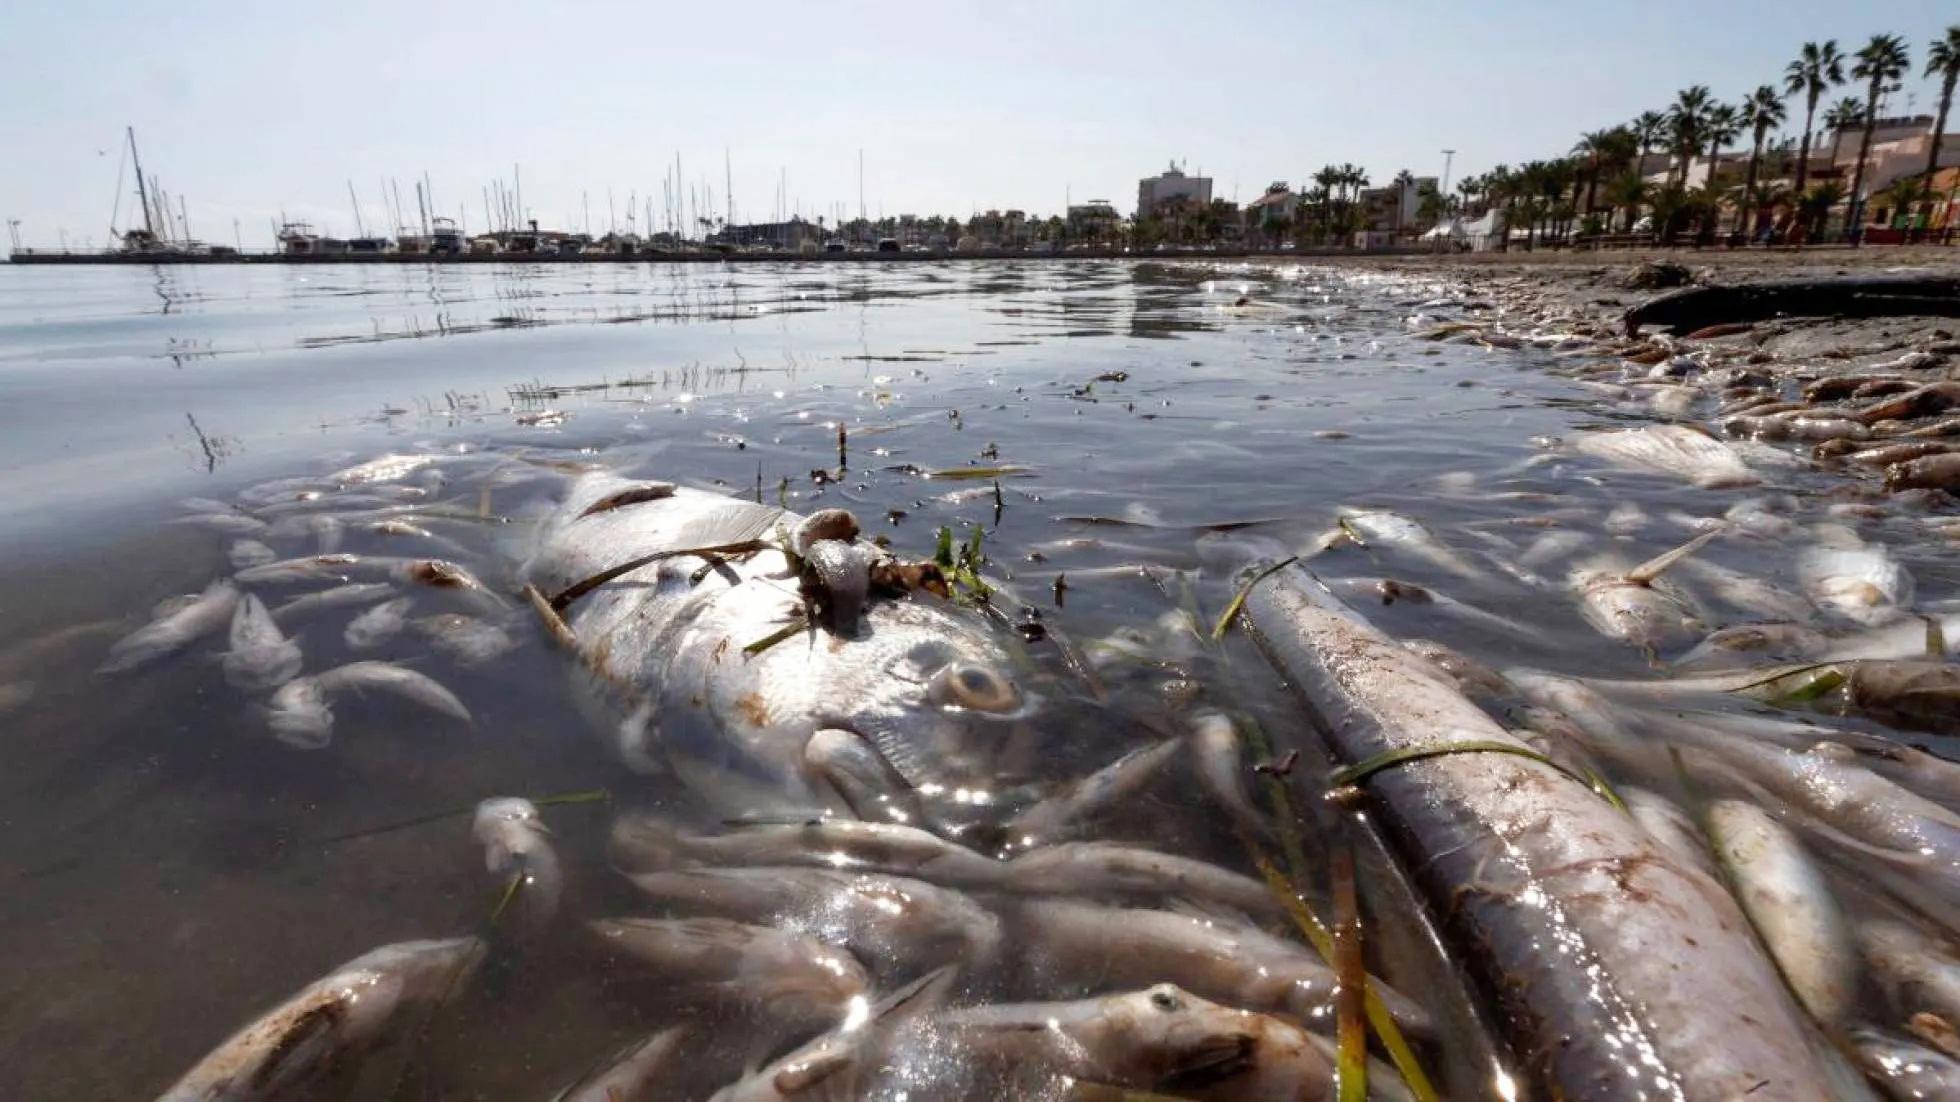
[248, 109]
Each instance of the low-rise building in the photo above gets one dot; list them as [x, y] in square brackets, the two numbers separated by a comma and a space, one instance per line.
[1095, 220]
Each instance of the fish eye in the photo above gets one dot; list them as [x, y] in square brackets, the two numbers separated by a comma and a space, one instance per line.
[974, 687]
[1164, 998]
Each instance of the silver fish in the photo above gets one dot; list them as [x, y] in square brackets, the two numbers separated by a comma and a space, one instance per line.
[249, 552]
[1216, 955]
[300, 713]
[1863, 584]
[1400, 534]
[518, 852]
[377, 625]
[1220, 756]
[261, 657]
[1790, 904]
[329, 1024]
[228, 523]
[470, 641]
[341, 596]
[636, 1075]
[646, 842]
[892, 922]
[169, 634]
[1068, 811]
[844, 1063]
[793, 975]
[1162, 1039]
[1919, 971]
[1671, 450]
[1111, 869]
[1907, 1072]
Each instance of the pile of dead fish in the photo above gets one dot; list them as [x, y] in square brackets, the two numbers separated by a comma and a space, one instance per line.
[871, 942]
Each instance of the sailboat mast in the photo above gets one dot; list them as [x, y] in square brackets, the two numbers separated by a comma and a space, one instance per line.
[141, 189]
[359, 226]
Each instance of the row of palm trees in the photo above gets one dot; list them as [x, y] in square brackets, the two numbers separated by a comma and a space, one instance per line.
[1604, 169]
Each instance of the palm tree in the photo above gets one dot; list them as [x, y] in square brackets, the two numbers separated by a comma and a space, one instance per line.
[1816, 70]
[1649, 127]
[1943, 58]
[1762, 112]
[1880, 64]
[1723, 124]
[1686, 119]
[1627, 192]
[1404, 180]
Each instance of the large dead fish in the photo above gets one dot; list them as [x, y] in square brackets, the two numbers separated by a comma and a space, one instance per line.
[318, 1033]
[1618, 970]
[707, 663]
[1671, 450]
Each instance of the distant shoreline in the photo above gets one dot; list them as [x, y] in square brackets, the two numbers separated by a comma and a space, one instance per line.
[707, 257]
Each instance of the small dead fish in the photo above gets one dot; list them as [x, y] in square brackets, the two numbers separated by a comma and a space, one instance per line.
[229, 523]
[1746, 592]
[1065, 813]
[1787, 899]
[633, 1075]
[1920, 694]
[261, 657]
[632, 495]
[1110, 869]
[1635, 606]
[249, 552]
[301, 714]
[330, 1024]
[1219, 753]
[1162, 1038]
[1215, 955]
[1672, 450]
[897, 923]
[781, 969]
[844, 1062]
[1380, 527]
[387, 468]
[1754, 644]
[646, 842]
[1932, 472]
[517, 851]
[401, 529]
[169, 634]
[310, 568]
[1666, 823]
[344, 596]
[1919, 971]
[377, 625]
[470, 641]
[1906, 1071]
[1860, 583]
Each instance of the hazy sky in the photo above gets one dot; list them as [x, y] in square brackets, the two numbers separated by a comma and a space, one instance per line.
[248, 110]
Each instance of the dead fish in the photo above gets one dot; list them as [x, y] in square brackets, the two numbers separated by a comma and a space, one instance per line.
[1380, 527]
[1919, 402]
[646, 842]
[249, 552]
[228, 523]
[344, 596]
[1907, 1072]
[636, 1074]
[1932, 472]
[1390, 591]
[1860, 583]
[1635, 606]
[387, 468]
[1754, 644]
[402, 529]
[1219, 754]
[309, 568]
[169, 634]
[1886, 455]
[1921, 694]
[1551, 547]
[301, 714]
[1218, 956]
[1110, 869]
[782, 970]
[470, 641]
[1162, 1039]
[631, 495]
[330, 1024]
[1625, 519]
[1763, 516]
[845, 1062]
[261, 657]
[1066, 812]
[377, 625]
[517, 851]
[1747, 592]
[1787, 899]
[1666, 823]
[1919, 971]
[1673, 450]
[896, 923]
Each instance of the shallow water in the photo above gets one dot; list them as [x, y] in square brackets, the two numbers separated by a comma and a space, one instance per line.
[171, 870]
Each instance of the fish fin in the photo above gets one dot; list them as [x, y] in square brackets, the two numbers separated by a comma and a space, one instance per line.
[1656, 566]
